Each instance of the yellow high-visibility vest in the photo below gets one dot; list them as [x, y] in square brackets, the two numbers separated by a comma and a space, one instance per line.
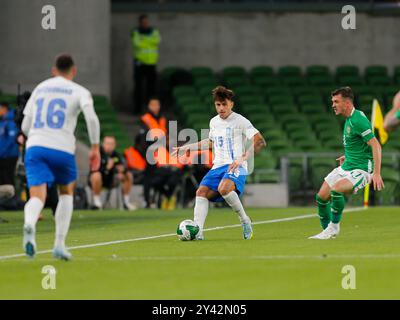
[145, 46]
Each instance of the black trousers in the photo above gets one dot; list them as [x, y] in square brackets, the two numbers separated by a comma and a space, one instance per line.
[145, 79]
[148, 175]
[7, 170]
[162, 179]
[166, 180]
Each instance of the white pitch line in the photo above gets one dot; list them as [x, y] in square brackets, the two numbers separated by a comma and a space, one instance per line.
[265, 257]
[116, 258]
[100, 244]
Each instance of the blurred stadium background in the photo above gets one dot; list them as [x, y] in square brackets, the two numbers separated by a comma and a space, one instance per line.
[282, 58]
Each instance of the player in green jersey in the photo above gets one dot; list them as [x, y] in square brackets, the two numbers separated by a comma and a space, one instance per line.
[392, 119]
[360, 165]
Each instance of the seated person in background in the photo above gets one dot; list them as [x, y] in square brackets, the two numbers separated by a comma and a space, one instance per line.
[112, 168]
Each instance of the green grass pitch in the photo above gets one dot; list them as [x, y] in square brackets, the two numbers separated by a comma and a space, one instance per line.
[278, 263]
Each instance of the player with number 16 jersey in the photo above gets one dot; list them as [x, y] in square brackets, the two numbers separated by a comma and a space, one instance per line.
[50, 118]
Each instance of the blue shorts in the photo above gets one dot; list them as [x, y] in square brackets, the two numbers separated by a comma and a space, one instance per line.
[45, 165]
[214, 177]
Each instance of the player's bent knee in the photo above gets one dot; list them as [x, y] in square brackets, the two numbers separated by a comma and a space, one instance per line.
[323, 196]
[337, 188]
[324, 192]
[38, 192]
[201, 192]
[224, 190]
[336, 191]
[67, 189]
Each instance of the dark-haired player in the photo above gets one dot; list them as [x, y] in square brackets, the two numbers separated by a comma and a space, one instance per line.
[229, 133]
[49, 123]
[360, 165]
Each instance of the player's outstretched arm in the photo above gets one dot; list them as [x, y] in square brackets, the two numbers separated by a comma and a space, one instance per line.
[258, 144]
[93, 127]
[376, 179]
[94, 157]
[204, 144]
[391, 120]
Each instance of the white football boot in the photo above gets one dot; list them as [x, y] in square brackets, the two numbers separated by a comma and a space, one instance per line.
[29, 242]
[200, 235]
[97, 205]
[247, 230]
[330, 232]
[130, 206]
[62, 253]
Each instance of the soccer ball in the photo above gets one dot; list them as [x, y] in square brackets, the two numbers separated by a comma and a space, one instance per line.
[187, 230]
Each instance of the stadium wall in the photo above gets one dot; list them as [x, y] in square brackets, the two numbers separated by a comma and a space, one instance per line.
[249, 39]
[27, 50]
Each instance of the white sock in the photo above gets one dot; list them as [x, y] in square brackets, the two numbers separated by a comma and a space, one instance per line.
[63, 216]
[200, 211]
[126, 198]
[97, 200]
[234, 202]
[32, 211]
[334, 225]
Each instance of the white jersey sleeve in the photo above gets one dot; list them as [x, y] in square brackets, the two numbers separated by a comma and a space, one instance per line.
[248, 129]
[85, 99]
[28, 110]
[211, 132]
[92, 123]
[28, 115]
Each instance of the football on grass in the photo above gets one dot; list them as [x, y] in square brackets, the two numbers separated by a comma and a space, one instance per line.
[187, 230]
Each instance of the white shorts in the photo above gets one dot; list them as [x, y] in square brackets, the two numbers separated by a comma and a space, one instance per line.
[359, 178]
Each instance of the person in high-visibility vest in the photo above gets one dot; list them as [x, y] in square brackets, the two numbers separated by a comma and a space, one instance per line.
[161, 170]
[151, 121]
[145, 41]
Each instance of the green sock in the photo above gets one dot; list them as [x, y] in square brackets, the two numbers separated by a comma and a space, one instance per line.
[337, 206]
[324, 211]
